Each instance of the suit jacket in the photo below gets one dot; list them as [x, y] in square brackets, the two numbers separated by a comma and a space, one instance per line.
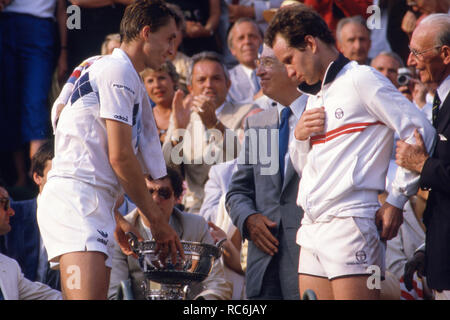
[22, 243]
[252, 192]
[435, 176]
[197, 149]
[15, 286]
[189, 227]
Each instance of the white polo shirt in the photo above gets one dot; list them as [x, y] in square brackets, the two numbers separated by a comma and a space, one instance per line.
[109, 89]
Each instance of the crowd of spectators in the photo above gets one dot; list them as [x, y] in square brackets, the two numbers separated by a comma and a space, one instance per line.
[220, 81]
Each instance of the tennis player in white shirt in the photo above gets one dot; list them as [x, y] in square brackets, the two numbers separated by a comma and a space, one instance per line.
[343, 143]
[105, 140]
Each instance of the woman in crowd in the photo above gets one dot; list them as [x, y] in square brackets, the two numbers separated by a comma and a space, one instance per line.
[161, 86]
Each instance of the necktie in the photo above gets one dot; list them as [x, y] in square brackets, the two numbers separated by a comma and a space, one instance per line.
[255, 82]
[435, 110]
[283, 138]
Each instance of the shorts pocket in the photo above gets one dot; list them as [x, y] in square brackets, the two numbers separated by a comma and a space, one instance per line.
[367, 230]
[82, 197]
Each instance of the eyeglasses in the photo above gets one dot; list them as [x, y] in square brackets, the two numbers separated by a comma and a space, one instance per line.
[164, 192]
[265, 62]
[6, 203]
[417, 53]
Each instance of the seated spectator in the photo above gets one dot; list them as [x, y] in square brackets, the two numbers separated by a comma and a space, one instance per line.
[353, 39]
[24, 243]
[202, 19]
[13, 284]
[197, 136]
[388, 64]
[161, 86]
[189, 227]
[111, 41]
[244, 41]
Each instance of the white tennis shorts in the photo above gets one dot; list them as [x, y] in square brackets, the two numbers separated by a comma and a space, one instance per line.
[74, 216]
[344, 246]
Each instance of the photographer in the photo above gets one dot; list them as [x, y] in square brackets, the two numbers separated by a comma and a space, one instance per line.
[393, 68]
[417, 92]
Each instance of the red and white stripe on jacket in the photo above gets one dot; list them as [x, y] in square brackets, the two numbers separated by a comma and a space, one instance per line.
[343, 169]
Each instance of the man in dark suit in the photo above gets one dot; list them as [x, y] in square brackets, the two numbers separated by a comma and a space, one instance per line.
[430, 55]
[261, 198]
[23, 243]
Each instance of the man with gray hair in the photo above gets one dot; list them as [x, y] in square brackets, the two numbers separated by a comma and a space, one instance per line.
[244, 41]
[201, 129]
[388, 64]
[353, 39]
[430, 55]
[263, 206]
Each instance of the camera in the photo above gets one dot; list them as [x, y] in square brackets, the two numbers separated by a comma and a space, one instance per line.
[404, 76]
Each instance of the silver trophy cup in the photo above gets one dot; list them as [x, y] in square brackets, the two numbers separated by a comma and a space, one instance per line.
[174, 278]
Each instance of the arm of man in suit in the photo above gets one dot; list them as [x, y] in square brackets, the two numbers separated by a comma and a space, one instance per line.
[434, 172]
[240, 203]
[29, 290]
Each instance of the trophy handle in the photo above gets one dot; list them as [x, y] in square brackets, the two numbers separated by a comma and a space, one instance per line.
[133, 241]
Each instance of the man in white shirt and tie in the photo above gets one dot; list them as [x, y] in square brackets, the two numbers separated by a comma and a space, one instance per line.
[244, 41]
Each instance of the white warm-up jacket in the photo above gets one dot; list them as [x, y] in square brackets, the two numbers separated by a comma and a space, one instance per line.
[344, 168]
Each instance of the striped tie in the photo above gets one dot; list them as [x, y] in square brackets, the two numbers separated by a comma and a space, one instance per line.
[435, 110]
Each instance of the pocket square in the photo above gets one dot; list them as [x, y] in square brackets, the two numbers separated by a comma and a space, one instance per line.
[442, 137]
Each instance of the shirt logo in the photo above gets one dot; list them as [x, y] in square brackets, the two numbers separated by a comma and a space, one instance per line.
[118, 117]
[121, 86]
[103, 233]
[360, 256]
[339, 113]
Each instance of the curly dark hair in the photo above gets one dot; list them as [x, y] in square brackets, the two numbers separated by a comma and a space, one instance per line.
[294, 23]
[176, 181]
[141, 13]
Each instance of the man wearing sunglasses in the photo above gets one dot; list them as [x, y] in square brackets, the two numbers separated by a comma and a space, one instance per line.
[189, 227]
[13, 284]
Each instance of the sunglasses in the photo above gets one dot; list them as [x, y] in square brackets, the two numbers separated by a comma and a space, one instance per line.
[163, 192]
[6, 203]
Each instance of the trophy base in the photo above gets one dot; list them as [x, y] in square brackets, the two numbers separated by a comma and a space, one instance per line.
[167, 292]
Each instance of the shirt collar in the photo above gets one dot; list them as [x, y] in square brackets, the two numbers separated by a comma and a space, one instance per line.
[297, 106]
[219, 109]
[444, 89]
[248, 71]
[119, 53]
[331, 73]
